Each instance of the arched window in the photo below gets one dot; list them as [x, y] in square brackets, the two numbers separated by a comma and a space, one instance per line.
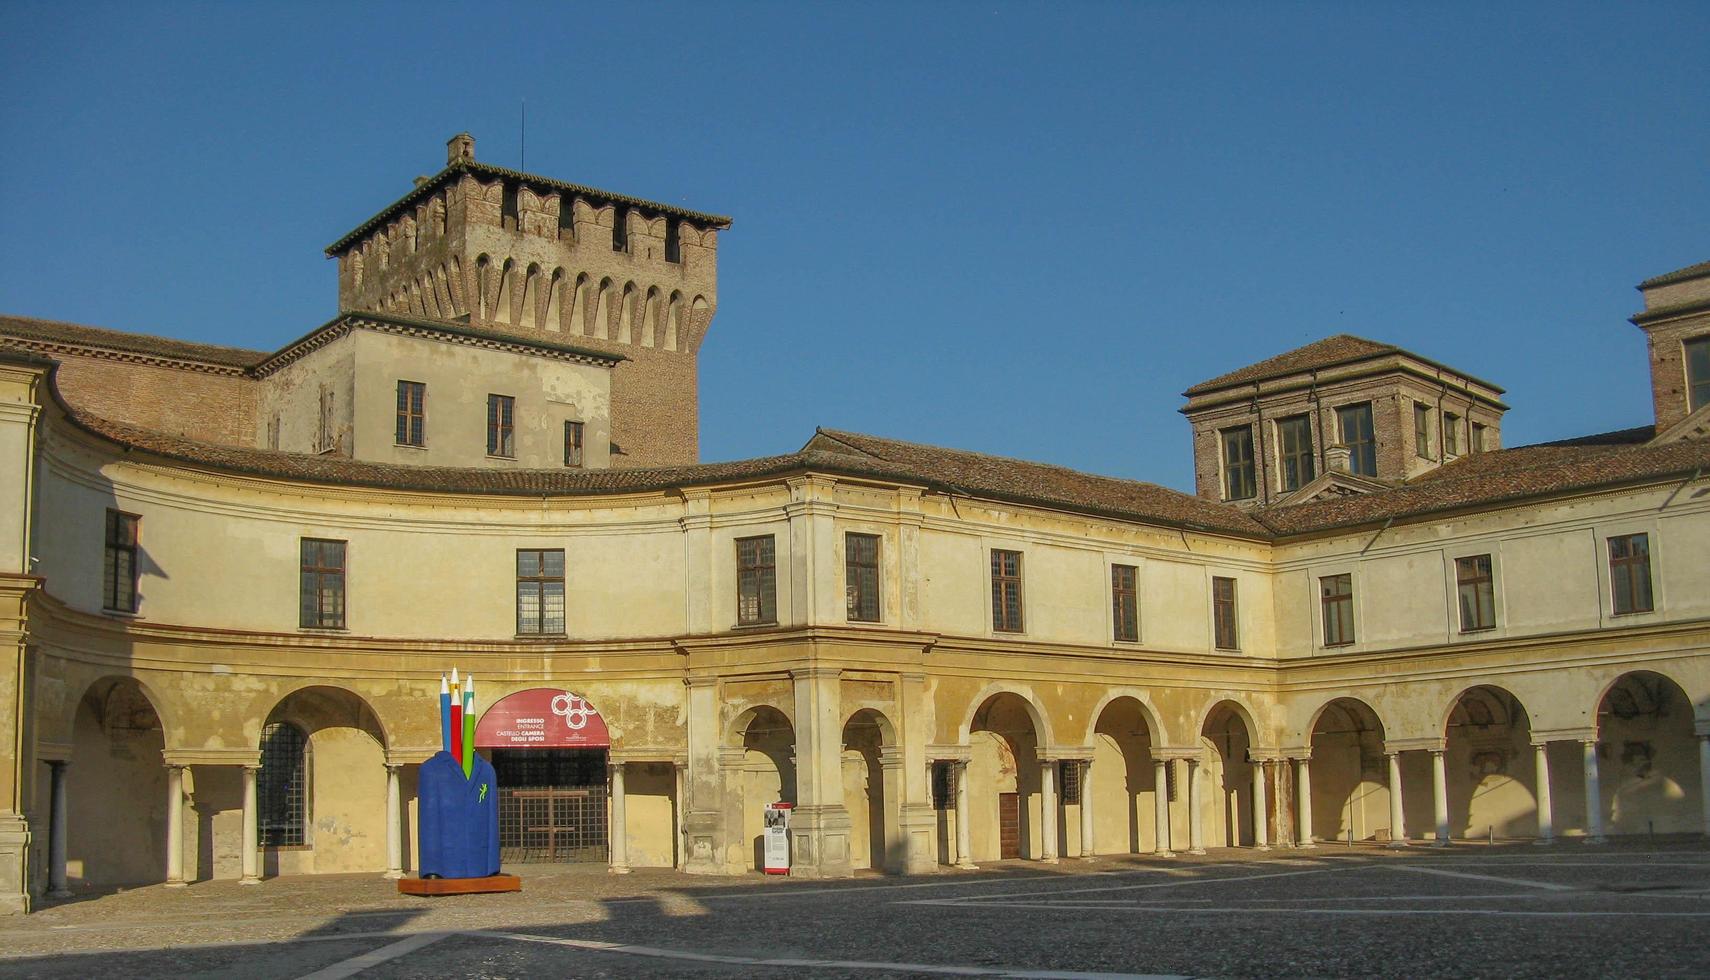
[282, 785]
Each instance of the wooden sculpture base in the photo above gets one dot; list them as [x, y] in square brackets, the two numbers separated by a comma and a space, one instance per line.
[460, 886]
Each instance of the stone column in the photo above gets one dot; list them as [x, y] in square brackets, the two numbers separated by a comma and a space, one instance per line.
[1196, 829]
[707, 840]
[618, 832]
[964, 845]
[1704, 777]
[394, 824]
[174, 826]
[1303, 792]
[1161, 807]
[1593, 794]
[1546, 819]
[1397, 830]
[1086, 810]
[1048, 811]
[896, 843]
[1440, 798]
[677, 812]
[820, 825]
[1261, 809]
[56, 831]
[251, 830]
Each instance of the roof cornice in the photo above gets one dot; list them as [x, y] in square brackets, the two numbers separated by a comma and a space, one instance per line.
[442, 330]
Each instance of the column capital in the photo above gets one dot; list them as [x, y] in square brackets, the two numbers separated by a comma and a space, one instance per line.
[815, 672]
[1395, 746]
[949, 753]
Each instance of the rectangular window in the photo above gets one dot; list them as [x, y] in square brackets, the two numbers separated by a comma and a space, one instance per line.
[1294, 451]
[1477, 595]
[273, 432]
[573, 444]
[1355, 424]
[620, 228]
[540, 591]
[1006, 591]
[943, 785]
[1337, 596]
[1226, 627]
[501, 425]
[322, 585]
[756, 581]
[412, 402]
[1630, 573]
[1125, 603]
[119, 575]
[861, 577]
[1697, 373]
[324, 441]
[1451, 434]
[1069, 778]
[1478, 444]
[1238, 482]
[1422, 430]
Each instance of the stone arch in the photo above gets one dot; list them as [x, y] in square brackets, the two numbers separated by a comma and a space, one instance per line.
[1490, 772]
[1148, 711]
[455, 286]
[1041, 723]
[653, 319]
[700, 315]
[484, 286]
[345, 781]
[1650, 776]
[442, 293]
[528, 314]
[759, 768]
[1121, 785]
[1227, 736]
[605, 313]
[505, 299]
[624, 330]
[1349, 771]
[118, 736]
[1004, 734]
[1238, 706]
[576, 312]
[870, 791]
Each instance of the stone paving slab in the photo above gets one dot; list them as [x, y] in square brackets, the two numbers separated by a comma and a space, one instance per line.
[1570, 910]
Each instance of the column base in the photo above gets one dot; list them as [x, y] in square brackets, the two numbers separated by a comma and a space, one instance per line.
[966, 866]
[392, 875]
[1164, 854]
[249, 881]
[59, 893]
[1308, 846]
[1052, 859]
[1261, 847]
[618, 869]
[178, 884]
[1089, 857]
[1439, 842]
[1198, 851]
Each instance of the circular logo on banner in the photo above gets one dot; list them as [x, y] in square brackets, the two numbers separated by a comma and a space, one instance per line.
[573, 710]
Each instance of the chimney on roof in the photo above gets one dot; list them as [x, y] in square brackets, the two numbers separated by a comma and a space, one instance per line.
[460, 149]
[1337, 459]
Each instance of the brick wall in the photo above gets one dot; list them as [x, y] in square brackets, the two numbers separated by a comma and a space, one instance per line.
[193, 404]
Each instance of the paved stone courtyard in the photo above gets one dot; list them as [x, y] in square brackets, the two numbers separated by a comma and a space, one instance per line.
[1566, 910]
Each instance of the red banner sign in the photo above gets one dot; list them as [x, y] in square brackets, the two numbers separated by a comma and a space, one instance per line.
[542, 718]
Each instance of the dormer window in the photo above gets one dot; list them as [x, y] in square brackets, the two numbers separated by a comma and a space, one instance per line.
[1238, 481]
[1355, 423]
[1451, 434]
[1294, 451]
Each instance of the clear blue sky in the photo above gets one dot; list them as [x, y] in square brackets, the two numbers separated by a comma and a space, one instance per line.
[1021, 229]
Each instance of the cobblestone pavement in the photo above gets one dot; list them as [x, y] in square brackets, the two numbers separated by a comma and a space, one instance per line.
[1568, 910]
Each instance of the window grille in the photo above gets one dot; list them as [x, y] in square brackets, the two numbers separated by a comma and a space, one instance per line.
[281, 786]
[1069, 777]
[1006, 591]
[1170, 780]
[552, 805]
[1125, 603]
[1630, 573]
[119, 572]
[540, 591]
[412, 416]
[322, 584]
[756, 581]
[943, 785]
[861, 577]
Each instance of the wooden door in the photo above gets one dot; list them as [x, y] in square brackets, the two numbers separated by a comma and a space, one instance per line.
[1009, 825]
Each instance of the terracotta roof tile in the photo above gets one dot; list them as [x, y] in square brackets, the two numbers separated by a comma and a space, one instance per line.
[1678, 275]
[1343, 348]
[57, 332]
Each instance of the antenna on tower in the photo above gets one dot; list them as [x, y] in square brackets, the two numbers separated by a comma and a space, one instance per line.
[522, 138]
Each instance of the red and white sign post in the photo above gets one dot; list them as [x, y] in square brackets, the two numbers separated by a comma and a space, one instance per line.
[778, 838]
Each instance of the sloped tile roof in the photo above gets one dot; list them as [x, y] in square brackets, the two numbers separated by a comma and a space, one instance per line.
[1504, 477]
[58, 332]
[977, 474]
[1343, 348]
[1678, 275]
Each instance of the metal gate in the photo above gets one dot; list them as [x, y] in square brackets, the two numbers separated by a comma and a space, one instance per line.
[552, 805]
